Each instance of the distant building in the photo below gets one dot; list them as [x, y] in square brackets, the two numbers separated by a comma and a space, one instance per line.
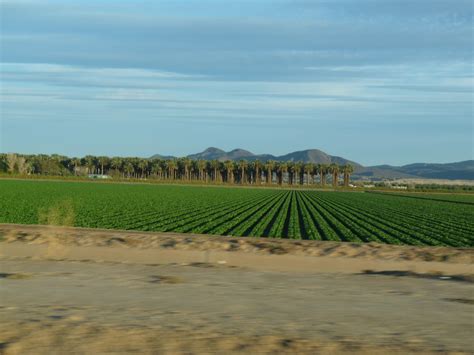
[400, 187]
[99, 176]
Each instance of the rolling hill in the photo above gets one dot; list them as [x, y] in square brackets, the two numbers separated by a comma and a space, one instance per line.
[308, 156]
[463, 170]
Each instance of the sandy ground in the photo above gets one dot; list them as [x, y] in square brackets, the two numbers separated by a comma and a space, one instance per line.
[77, 291]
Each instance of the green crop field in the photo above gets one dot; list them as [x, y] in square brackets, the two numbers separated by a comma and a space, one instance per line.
[414, 219]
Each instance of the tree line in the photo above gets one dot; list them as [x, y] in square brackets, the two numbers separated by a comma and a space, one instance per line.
[241, 172]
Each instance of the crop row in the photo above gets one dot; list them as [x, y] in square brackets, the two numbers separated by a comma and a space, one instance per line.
[339, 216]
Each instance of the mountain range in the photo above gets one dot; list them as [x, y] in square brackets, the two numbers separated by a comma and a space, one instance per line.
[463, 170]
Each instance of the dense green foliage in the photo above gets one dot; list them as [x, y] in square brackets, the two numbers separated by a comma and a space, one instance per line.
[172, 170]
[415, 219]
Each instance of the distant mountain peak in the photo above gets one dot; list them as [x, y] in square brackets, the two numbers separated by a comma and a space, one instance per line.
[459, 170]
[239, 150]
[213, 150]
[210, 153]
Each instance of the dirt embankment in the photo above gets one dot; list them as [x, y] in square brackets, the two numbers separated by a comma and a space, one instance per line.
[78, 291]
[85, 237]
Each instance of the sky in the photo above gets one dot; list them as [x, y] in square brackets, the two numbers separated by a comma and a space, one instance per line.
[374, 81]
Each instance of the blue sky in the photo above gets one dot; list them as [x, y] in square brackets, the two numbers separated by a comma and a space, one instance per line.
[375, 81]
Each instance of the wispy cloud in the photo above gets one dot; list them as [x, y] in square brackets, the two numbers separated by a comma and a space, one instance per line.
[32, 69]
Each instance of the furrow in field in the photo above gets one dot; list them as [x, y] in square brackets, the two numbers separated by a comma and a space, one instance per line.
[325, 230]
[246, 227]
[430, 226]
[229, 222]
[362, 230]
[441, 219]
[132, 213]
[277, 229]
[347, 229]
[275, 213]
[429, 198]
[341, 230]
[307, 231]
[433, 223]
[286, 226]
[370, 231]
[151, 222]
[448, 217]
[295, 231]
[196, 223]
[389, 229]
[312, 231]
[185, 223]
[393, 229]
[266, 222]
[401, 227]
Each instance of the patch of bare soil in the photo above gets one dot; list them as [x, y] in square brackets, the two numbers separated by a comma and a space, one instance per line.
[69, 307]
[66, 236]
[72, 337]
[83, 291]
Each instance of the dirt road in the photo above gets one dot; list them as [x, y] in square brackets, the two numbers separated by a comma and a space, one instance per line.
[67, 298]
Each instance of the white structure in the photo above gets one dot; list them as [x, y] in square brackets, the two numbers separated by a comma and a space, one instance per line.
[99, 176]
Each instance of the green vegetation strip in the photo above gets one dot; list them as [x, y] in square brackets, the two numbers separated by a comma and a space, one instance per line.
[319, 215]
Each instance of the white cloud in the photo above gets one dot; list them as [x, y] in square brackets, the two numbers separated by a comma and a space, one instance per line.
[46, 68]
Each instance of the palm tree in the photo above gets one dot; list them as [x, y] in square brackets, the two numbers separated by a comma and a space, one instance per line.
[308, 170]
[251, 173]
[143, 166]
[156, 168]
[323, 170]
[235, 171]
[187, 168]
[315, 172]
[258, 171]
[135, 162]
[194, 170]
[214, 164]
[299, 172]
[75, 162]
[291, 172]
[90, 164]
[129, 168]
[243, 167]
[269, 166]
[117, 163]
[162, 164]
[282, 168]
[229, 166]
[347, 170]
[334, 170]
[202, 164]
[170, 168]
[103, 161]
